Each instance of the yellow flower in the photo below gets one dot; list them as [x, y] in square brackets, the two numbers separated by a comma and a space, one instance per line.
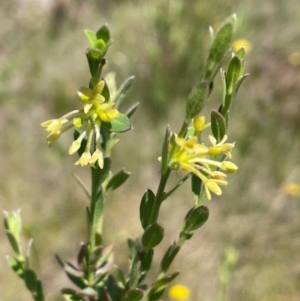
[197, 159]
[292, 189]
[179, 292]
[88, 119]
[294, 58]
[238, 44]
[199, 124]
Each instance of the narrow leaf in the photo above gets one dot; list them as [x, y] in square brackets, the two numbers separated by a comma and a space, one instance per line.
[91, 37]
[117, 180]
[165, 280]
[165, 150]
[122, 91]
[16, 265]
[146, 207]
[218, 125]
[169, 257]
[221, 43]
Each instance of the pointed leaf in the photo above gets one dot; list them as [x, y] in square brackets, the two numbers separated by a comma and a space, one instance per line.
[220, 45]
[196, 186]
[13, 241]
[146, 260]
[103, 33]
[218, 125]
[233, 73]
[169, 257]
[118, 125]
[162, 282]
[117, 180]
[146, 207]
[132, 110]
[91, 37]
[105, 92]
[16, 265]
[165, 150]
[122, 91]
[152, 236]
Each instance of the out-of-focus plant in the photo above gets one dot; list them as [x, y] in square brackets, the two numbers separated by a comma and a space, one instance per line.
[96, 124]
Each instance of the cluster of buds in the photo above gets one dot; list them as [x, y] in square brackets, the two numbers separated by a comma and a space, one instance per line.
[95, 111]
[208, 163]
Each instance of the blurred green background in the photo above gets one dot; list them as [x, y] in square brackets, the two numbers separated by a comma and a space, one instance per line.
[164, 44]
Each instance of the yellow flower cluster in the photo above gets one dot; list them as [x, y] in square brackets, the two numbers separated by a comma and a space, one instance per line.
[200, 159]
[95, 110]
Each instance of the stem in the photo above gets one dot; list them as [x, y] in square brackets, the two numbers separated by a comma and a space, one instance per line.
[159, 198]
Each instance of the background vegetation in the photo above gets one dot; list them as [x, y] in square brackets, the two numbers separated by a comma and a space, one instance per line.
[163, 43]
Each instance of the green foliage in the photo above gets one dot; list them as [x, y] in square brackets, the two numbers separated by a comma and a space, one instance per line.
[97, 125]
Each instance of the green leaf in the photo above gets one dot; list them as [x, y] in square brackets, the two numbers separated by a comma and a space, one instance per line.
[152, 236]
[162, 282]
[165, 150]
[39, 292]
[135, 294]
[96, 54]
[218, 125]
[146, 207]
[117, 180]
[71, 295]
[132, 110]
[224, 82]
[28, 249]
[238, 83]
[105, 92]
[118, 125]
[220, 45]
[196, 186]
[122, 91]
[146, 260]
[16, 265]
[233, 73]
[103, 33]
[100, 45]
[13, 223]
[196, 99]
[241, 53]
[30, 280]
[169, 257]
[155, 294]
[91, 37]
[195, 218]
[13, 242]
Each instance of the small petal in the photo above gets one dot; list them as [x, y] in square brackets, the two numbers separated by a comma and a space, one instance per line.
[229, 166]
[84, 159]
